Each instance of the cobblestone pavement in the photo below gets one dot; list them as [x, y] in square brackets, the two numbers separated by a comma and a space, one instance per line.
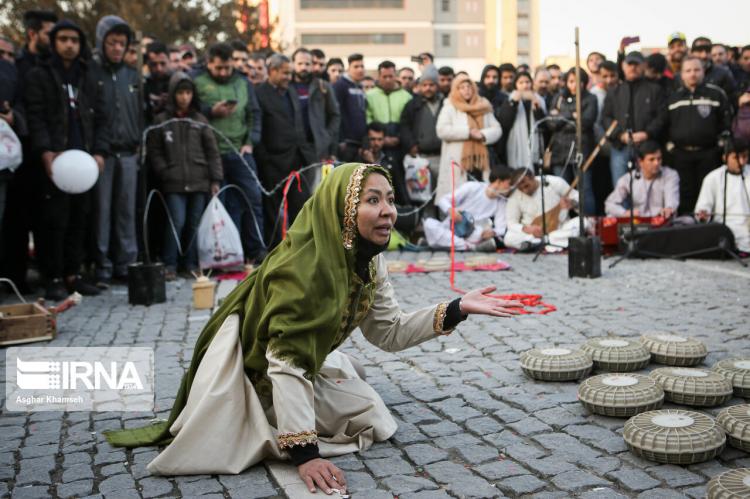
[470, 423]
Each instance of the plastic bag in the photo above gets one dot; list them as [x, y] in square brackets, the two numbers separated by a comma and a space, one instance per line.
[219, 243]
[418, 178]
[11, 154]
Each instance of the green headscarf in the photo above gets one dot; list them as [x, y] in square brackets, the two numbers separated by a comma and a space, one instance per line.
[294, 302]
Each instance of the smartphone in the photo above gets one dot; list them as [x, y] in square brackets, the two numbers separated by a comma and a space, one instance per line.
[629, 40]
[231, 102]
[416, 58]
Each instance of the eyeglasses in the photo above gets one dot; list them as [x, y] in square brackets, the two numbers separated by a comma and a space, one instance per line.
[7, 54]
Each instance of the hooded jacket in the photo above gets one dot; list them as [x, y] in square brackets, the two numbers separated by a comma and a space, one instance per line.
[48, 104]
[119, 84]
[184, 156]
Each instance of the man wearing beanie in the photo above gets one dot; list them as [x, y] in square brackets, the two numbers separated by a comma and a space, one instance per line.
[419, 119]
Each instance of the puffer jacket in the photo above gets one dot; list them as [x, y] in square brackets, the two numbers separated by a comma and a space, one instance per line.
[184, 156]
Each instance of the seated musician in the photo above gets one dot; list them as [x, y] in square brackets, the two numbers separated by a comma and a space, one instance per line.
[726, 190]
[524, 210]
[480, 215]
[656, 188]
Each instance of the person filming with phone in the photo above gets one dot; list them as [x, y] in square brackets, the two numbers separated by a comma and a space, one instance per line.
[228, 101]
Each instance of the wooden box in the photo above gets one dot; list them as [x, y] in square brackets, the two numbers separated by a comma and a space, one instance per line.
[25, 323]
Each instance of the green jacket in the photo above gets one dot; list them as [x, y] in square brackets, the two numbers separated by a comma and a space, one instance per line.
[386, 108]
[243, 125]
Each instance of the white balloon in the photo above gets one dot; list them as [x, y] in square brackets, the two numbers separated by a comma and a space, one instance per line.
[74, 171]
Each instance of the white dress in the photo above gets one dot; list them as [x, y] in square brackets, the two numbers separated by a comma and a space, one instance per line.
[224, 427]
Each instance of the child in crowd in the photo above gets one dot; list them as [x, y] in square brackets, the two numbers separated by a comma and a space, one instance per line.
[185, 158]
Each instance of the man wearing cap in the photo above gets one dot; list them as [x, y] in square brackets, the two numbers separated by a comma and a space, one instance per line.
[116, 188]
[713, 74]
[418, 131]
[639, 107]
[676, 52]
[698, 115]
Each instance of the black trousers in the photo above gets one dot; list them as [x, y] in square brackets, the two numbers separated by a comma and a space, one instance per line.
[693, 166]
[273, 213]
[22, 215]
[62, 231]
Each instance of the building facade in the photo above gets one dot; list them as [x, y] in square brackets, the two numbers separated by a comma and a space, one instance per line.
[465, 34]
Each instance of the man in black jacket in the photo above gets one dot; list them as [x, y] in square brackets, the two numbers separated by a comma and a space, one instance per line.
[418, 132]
[284, 146]
[23, 186]
[639, 106]
[65, 110]
[320, 110]
[717, 75]
[698, 115]
[116, 188]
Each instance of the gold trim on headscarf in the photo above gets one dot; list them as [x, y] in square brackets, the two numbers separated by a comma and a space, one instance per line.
[353, 190]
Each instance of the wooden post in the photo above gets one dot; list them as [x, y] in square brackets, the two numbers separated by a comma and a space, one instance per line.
[579, 138]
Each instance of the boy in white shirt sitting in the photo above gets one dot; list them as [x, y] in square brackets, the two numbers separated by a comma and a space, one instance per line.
[479, 212]
[732, 180]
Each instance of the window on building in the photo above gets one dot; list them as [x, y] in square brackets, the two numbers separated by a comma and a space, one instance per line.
[472, 40]
[352, 4]
[353, 38]
[445, 39]
[523, 7]
[445, 5]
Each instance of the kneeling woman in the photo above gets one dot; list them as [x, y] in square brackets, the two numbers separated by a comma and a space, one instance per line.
[266, 380]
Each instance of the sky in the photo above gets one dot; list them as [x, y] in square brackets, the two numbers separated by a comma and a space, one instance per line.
[603, 23]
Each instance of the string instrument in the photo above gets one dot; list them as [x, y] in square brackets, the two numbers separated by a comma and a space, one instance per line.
[552, 215]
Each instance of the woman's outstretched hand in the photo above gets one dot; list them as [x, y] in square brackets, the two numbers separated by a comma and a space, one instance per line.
[321, 473]
[477, 301]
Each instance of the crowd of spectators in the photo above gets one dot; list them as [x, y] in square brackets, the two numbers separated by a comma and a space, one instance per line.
[231, 116]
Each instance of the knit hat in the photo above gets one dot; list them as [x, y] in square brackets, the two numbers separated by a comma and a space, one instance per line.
[429, 73]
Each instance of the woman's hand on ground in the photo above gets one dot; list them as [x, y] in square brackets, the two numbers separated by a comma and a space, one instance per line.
[477, 301]
[321, 473]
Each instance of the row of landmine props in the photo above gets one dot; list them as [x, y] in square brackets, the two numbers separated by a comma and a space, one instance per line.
[673, 436]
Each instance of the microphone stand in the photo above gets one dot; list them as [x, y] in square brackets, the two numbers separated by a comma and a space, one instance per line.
[542, 181]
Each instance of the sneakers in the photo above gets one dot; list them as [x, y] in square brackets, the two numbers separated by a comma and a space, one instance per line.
[82, 287]
[55, 291]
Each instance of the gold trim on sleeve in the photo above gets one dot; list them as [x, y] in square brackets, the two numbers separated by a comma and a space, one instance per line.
[287, 440]
[439, 319]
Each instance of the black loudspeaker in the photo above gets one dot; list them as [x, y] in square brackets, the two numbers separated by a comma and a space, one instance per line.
[703, 240]
[584, 257]
[146, 283]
